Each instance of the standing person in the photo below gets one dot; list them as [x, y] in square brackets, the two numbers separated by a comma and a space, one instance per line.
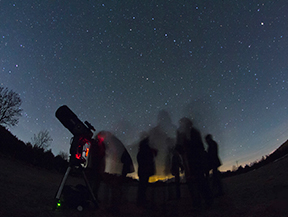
[191, 140]
[177, 167]
[146, 168]
[213, 163]
[96, 165]
[128, 167]
[127, 164]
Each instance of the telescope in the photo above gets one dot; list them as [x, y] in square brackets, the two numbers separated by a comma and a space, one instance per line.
[79, 150]
[82, 133]
[72, 122]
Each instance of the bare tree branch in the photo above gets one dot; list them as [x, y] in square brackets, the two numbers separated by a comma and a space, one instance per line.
[10, 110]
[42, 140]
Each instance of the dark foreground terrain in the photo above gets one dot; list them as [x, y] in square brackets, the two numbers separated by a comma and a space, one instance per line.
[28, 191]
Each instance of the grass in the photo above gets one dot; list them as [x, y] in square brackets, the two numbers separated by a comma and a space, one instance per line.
[27, 191]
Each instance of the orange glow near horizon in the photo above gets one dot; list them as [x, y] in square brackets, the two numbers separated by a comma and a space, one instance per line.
[152, 179]
[156, 178]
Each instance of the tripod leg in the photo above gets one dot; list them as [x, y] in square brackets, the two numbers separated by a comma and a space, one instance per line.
[58, 195]
[90, 189]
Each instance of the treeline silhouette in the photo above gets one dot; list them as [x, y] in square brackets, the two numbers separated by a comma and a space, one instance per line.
[12, 147]
[281, 152]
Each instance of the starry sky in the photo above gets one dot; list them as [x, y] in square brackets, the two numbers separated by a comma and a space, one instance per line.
[117, 64]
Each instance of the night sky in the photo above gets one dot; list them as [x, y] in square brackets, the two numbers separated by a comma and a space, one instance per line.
[117, 64]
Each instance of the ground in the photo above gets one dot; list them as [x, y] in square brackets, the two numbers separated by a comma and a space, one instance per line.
[28, 191]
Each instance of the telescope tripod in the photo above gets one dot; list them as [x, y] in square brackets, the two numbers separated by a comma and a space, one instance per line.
[64, 179]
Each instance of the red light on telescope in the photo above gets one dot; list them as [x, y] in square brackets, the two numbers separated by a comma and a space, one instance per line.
[83, 149]
[87, 152]
[78, 156]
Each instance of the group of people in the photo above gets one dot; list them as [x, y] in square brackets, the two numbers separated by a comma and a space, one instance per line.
[190, 157]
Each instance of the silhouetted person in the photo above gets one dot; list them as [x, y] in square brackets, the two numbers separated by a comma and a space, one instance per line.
[162, 137]
[213, 163]
[128, 167]
[96, 165]
[206, 166]
[146, 168]
[113, 151]
[177, 167]
[127, 164]
[190, 138]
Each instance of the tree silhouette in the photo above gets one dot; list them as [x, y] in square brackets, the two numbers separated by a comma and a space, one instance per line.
[42, 140]
[10, 110]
